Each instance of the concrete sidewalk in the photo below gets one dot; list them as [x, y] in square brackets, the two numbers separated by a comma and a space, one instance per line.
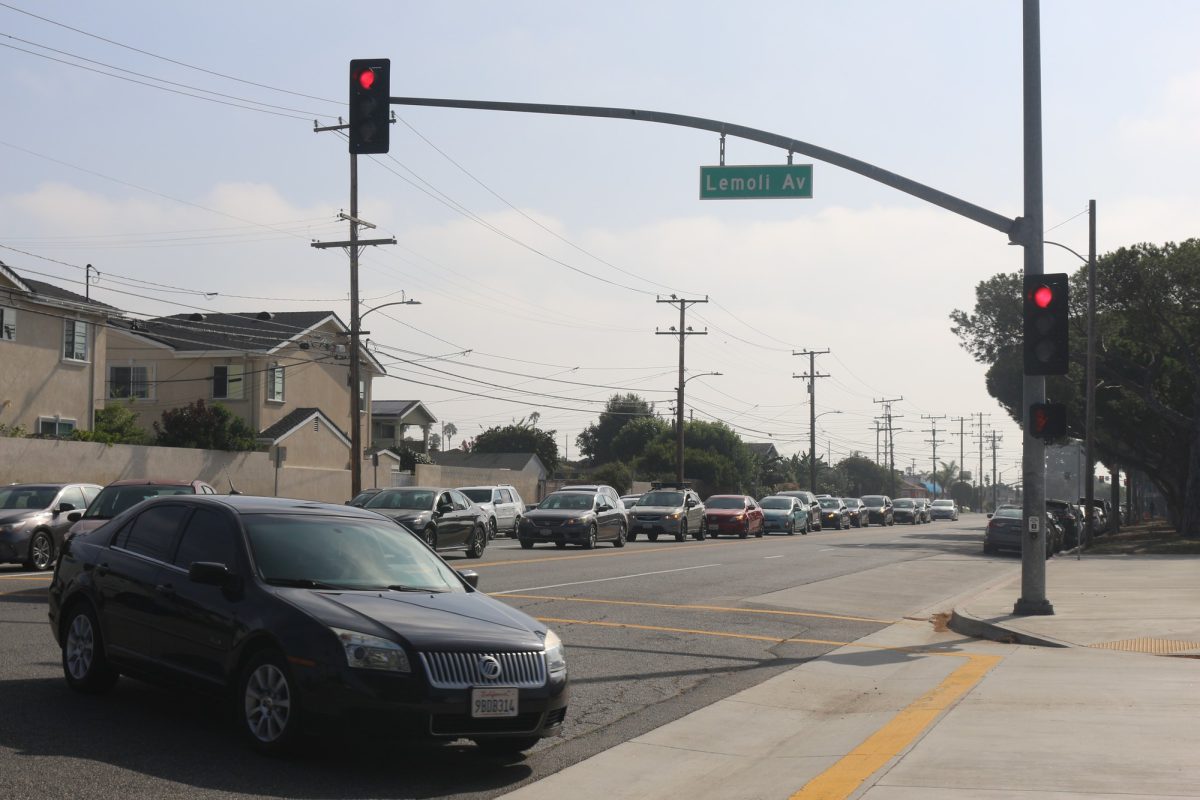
[917, 711]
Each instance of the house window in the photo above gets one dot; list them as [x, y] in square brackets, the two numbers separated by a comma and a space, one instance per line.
[75, 340]
[227, 382]
[128, 382]
[275, 383]
[387, 430]
[55, 426]
[362, 396]
[8, 324]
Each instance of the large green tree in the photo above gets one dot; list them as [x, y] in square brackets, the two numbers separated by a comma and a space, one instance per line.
[1147, 360]
[714, 457]
[519, 437]
[597, 441]
[206, 427]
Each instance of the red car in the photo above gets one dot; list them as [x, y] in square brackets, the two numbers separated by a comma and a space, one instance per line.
[733, 514]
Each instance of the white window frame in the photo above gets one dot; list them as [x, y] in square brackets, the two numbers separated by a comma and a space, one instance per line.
[146, 385]
[73, 331]
[275, 384]
[57, 422]
[8, 324]
[235, 379]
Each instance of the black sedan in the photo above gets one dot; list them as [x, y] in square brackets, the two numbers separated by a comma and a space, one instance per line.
[308, 617]
[834, 512]
[906, 509]
[445, 518]
[582, 518]
[859, 514]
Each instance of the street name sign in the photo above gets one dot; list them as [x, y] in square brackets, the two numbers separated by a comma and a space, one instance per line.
[750, 182]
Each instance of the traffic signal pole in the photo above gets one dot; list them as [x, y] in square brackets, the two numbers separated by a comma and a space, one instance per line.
[1033, 450]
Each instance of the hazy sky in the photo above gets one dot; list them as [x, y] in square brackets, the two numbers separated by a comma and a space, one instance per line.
[497, 215]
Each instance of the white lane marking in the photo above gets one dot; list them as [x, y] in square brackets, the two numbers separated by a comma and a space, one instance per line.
[826, 549]
[772, 556]
[44, 574]
[602, 580]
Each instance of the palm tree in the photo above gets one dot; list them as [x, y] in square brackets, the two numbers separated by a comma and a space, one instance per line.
[449, 431]
[946, 476]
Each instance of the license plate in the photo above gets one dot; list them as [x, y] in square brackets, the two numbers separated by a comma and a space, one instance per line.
[497, 702]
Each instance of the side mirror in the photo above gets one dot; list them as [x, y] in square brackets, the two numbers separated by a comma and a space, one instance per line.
[74, 516]
[210, 573]
[691, 502]
[990, 516]
[470, 576]
[604, 507]
[64, 507]
[444, 508]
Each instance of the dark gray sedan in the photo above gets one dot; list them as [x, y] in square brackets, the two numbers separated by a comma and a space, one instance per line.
[34, 519]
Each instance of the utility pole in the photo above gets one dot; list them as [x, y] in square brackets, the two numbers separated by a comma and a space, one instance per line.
[891, 442]
[812, 411]
[353, 246]
[876, 441]
[994, 487]
[962, 442]
[683, 332]
[981, 436]
[934, 441]
[1090, 413]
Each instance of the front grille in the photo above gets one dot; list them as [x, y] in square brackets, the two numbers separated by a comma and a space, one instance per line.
[462, 670]
[648, 517]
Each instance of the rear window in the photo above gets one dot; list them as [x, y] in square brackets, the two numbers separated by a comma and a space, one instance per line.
[1010, 513]
[669, 499]
[112, 500]
[776, 502]
[873, 500]
[830, 502]
[944, 503]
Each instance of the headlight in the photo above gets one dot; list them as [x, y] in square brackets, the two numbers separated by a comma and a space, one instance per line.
[556, 658]
[671, 516]
[371, 652]
[739, 516]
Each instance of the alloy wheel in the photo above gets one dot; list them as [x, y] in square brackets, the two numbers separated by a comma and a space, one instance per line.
[268, 703]
[41, 552]
[81, 647]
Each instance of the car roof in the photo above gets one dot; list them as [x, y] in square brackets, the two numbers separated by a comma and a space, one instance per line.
[252, 504]
[487, 486]
[55, 486]
[154, 482]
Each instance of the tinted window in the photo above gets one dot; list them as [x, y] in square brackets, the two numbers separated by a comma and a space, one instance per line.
[873, 500]
[208, 536]
[90, 492]
[777, 502]
[460, 501]
[479, 495]
[903, 503]
[574, 501]
[27, 497]
[112, 500]
[155, 532]
[722, 502]
[403, 498]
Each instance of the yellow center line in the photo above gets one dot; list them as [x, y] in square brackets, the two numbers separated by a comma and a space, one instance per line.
[854, 768]
[26, 577]
[621, 552]
[766, 611]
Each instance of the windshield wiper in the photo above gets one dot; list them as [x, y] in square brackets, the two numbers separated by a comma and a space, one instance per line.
[399, 588]
[304, 583]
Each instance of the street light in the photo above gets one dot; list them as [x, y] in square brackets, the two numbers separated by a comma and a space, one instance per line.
[812, 451]
[679, 424]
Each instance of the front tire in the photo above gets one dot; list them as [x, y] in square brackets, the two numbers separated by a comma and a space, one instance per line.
[590, 544]
[430, 537]
[681, 534]
[526, 544]
[269, 706]
[652, 536]
[85, 664]
[620, 540]
[492, 528]
[41, 552]
[477, 543]
[791, 528]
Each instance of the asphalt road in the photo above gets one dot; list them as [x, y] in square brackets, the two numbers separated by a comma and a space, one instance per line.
[653, 631]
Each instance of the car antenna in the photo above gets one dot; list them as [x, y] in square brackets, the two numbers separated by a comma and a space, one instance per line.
[232, 488]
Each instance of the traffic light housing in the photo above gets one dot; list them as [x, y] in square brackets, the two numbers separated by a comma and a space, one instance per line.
[1047, 421]
[1045, 315]
[370, 92]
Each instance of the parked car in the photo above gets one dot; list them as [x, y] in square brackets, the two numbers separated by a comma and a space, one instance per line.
[672, 512]
[835, 513]
[501, 502]
[612, 494]
[810, 502]
[734, 514]
[944, 509]
[577, 517]
[628, 500]
[1107, 519]
[925, 509]
[1005, 531]
[35, 517]
[360, 500]
[445, 518]
[1068, 517]
[307, 616]
[784, 513]
[858, 511]
[119, 496]
[905, 509]
[879, 509]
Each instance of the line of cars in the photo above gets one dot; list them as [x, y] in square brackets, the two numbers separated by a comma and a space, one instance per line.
[1065, 523]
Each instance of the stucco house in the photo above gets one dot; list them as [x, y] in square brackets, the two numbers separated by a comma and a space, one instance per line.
[390, 419]
[52, 356]
[285, 373]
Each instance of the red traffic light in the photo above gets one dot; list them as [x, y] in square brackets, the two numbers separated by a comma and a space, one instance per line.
[366, 78]
[1043, 296]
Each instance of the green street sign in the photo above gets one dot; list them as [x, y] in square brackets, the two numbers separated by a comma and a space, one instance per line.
[748, 182]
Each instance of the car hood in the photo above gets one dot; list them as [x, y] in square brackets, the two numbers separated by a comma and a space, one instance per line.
[555, 514]
[724, 512]
[11, 517]
[427, 620]
[656, 509]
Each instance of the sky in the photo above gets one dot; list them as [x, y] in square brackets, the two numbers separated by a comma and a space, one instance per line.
[537, 245]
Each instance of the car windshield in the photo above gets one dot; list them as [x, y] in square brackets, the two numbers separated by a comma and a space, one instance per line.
[852, 502]
[416, 499]
[944, 503]
[776, 502]
[478, 495]
[830, 502]
[873, 500]
[361, 498]
[568, 501]
[112, 500]
[725, 502]
[1009, 513]
[27, 497]
[903, 504]
[317, 551]
[669, 499]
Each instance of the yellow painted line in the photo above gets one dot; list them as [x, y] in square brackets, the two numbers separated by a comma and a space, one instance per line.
[769, 612]
[853, 769]
[624, 551]
[47, 576]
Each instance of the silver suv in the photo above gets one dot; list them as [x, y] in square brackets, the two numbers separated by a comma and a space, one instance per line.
[502, 503]
[671, 511]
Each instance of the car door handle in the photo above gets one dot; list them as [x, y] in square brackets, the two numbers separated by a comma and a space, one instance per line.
[103, 569]
[165, 589]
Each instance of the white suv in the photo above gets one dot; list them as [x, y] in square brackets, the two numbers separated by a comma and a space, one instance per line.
[502, 503]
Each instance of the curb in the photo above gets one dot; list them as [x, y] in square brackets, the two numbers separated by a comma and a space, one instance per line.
[968, 625]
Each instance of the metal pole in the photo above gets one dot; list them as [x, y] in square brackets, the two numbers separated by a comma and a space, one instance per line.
[355, 378]
[679, 399]
[812, 422]
[1090, 430]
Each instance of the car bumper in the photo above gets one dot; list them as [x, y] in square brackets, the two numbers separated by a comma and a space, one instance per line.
[654, 526]
[904, 516]
[717, 527]
[14, 546]
[777, 524]
[404, 706]
[566, 534]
